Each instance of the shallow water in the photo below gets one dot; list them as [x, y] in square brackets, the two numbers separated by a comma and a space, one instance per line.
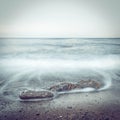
[37, 64]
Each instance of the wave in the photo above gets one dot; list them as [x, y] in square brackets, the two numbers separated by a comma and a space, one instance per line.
[38, 74]
[37, 64]
[102, 62]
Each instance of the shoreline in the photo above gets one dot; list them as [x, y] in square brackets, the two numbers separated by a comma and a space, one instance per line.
[103, 105]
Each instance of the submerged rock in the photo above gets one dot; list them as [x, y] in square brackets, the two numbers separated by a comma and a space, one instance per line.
[63, 87]
[31, 94]
[90, 83]
[80, 85]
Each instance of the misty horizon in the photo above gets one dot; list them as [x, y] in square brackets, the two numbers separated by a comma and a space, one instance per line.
[66, 19]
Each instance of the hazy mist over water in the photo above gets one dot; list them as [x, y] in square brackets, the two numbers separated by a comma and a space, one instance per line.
[40, 63]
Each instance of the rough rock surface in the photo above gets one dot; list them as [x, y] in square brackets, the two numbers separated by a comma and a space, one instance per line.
[80, 85]
[90, 83]
[36, 94]
[63, 87]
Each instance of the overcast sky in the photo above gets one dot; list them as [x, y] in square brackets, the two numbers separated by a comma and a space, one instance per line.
[59, 18]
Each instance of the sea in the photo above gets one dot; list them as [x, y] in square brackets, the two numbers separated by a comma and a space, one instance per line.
[38, 63]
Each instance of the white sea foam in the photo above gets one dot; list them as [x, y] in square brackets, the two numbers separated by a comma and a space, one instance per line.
[99, 63]
[39, 74]
[39, 64]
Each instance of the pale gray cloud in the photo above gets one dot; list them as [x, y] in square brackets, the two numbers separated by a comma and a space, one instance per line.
[59, 18]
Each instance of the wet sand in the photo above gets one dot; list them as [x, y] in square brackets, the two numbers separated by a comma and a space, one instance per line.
[103, 105]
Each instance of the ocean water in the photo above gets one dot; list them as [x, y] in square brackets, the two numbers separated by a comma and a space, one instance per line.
[37, 64]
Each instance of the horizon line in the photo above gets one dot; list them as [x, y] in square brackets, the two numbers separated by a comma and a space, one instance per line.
[59, 37]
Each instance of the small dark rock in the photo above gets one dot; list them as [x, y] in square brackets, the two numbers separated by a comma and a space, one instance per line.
[20, 110]
[37, 114]
[69, 107]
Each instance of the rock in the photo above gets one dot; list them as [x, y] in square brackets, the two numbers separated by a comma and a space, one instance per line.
[80, 85]
[63, 87]
[31, 94]
[90, 83]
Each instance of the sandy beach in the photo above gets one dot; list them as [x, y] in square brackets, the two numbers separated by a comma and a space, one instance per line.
[59, 66]
[59, 59]
[103, 105]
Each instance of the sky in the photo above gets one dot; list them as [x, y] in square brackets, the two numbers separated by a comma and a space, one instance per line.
[60, 18]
